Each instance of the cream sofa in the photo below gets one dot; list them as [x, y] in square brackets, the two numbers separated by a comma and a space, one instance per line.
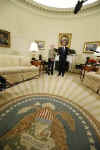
[92, 80]
[17, 68]
[74, 60]
[77, 60]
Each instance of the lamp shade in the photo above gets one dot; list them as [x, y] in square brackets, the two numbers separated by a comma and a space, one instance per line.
[97, 53]
[98, 49]
[34, 47]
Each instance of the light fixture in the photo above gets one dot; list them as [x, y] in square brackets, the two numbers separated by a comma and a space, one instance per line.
[98, 49]
[62, 3]
[97, 53]
[34, 47]
[79, 6]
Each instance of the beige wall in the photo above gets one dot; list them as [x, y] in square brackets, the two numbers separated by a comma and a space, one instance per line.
[26, 26]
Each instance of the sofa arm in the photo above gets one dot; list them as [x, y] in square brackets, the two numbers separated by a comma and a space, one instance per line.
[14, 78]
[92, 80]
[18, 74]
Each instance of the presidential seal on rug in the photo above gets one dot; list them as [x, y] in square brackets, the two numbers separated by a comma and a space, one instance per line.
[44, 123]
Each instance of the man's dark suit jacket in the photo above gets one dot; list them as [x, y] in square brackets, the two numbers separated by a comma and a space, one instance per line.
[63, 53]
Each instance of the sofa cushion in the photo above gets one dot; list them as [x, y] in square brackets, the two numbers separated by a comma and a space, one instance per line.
[17, 69]
[92, 80]
[13, 78]
[13, 60]
[25, 61]
[9, 60]
[93, 75]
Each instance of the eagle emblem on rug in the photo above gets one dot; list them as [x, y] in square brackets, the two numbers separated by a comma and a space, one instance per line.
[40, 130]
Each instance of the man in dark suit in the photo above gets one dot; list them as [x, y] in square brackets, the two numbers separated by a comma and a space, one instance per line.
[63, 52]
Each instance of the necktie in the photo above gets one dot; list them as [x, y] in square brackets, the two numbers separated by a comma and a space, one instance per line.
[63, 49]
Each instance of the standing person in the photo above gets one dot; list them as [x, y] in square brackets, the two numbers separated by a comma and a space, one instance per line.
[63, 52]
[51, 58]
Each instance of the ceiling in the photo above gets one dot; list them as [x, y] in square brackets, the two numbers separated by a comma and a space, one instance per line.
[59, 8]
[62, 3]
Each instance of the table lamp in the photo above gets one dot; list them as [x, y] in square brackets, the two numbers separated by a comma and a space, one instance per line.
[97, 53]
[33, 49]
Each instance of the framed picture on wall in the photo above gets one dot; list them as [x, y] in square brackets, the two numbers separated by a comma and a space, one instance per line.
[4, 38]
[41, 44]
[65, 36]
[90, 47]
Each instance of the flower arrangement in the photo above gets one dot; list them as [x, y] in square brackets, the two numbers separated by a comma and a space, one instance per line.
[92, 61]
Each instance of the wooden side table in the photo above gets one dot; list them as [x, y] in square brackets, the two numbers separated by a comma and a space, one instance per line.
[87, 68]
[38, 63]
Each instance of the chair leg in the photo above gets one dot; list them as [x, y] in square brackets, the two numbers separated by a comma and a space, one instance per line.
[98, 90]
[82, 74]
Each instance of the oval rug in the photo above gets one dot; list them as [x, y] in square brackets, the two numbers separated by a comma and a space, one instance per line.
[46, 122]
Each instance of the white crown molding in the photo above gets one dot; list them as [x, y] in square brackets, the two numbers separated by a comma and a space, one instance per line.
[60, 10]
[56, 12]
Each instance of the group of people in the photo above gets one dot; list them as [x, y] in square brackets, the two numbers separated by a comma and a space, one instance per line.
[62, 52]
